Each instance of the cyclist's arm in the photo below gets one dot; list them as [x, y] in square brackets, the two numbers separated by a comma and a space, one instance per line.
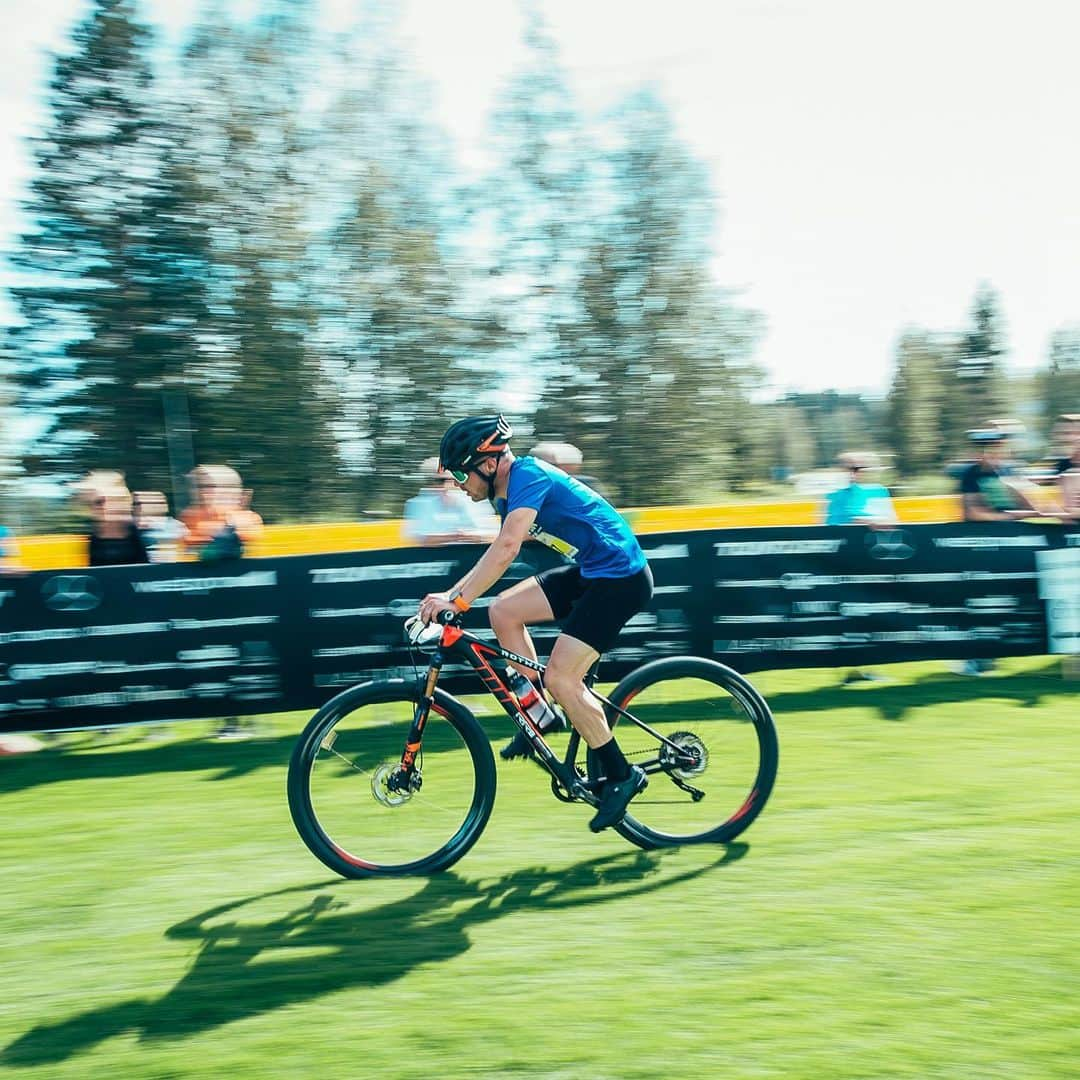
[498, 557]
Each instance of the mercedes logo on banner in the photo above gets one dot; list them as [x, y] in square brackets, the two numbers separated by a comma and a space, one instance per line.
[71, 592]
[888, 544]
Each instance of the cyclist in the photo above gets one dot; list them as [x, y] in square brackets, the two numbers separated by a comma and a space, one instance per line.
[608, 582]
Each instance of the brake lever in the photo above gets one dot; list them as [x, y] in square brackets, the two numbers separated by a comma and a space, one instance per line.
[415, 628]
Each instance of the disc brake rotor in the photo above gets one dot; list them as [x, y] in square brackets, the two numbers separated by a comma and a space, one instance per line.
[676, 762]
[386, 792]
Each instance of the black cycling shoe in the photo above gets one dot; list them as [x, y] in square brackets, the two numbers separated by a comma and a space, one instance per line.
[616, 798]
[519, 745]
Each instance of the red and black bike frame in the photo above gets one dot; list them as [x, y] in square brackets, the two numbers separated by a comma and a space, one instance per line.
[459, 644]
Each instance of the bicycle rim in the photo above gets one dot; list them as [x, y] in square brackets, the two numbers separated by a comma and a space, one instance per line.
[725, 725]
[342, 797]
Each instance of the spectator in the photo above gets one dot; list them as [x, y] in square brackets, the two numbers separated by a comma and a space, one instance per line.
[859, 502]
[93, 484]
[443, 514]
[162, 535]
[114, 540]
[1067, 468]
[220, 525]
[566, 456]
[989, 489]
[9, 552]
[562, 455]
[220, 522]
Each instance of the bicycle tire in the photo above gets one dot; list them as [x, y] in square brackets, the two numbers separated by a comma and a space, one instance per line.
[706, 702]
[374, 716]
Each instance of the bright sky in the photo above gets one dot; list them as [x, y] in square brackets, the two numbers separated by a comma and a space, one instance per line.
[874, 161]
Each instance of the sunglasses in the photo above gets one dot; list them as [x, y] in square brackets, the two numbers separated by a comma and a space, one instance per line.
[460, 477]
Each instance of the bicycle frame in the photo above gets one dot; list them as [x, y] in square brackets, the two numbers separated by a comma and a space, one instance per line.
[457, 643]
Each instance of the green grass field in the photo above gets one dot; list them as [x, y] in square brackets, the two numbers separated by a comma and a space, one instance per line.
[906, 906]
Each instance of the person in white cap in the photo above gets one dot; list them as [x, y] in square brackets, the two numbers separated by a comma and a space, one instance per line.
[568, 457]
[441, 514]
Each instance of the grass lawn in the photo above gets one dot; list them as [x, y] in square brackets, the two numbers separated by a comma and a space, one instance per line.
[906, 906]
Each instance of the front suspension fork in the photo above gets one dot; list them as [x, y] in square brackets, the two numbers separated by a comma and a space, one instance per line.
[402, 777]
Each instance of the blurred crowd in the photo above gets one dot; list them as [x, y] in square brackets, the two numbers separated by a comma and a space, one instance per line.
[994, 483]
[131, 527]
[135, 527]
[127, 527]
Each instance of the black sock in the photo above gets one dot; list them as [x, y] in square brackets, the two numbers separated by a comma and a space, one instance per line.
[613, 761]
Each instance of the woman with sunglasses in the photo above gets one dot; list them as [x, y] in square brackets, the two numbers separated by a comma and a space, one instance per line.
[114, 538]
[605, 584]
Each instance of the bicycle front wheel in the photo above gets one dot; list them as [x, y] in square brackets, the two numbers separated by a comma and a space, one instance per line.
[716, 783]
[348, 814]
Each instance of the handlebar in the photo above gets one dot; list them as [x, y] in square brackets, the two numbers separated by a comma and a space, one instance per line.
[419, 633]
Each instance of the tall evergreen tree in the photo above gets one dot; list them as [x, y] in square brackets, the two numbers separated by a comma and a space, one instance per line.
[111, 289]
[8, 463]
[661, 353]
[915, 402]
[396, 325]
[975, 392]
[1060, 381]
[539, 203]
[257, 392]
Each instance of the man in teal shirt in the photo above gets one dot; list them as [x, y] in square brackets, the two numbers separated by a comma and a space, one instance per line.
[859, 503]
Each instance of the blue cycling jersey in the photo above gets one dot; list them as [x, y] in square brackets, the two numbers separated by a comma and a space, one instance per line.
[572, 519]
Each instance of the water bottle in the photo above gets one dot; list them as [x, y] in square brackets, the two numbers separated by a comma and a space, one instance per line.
[531, 700]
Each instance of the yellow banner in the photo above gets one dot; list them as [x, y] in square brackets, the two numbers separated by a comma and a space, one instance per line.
[59, 552]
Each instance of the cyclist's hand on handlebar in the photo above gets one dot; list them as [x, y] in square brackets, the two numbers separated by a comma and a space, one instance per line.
[432, 604]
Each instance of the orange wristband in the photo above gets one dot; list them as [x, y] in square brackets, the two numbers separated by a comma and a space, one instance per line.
[459, 602]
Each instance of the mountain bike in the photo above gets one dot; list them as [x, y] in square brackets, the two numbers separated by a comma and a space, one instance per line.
[396, 776]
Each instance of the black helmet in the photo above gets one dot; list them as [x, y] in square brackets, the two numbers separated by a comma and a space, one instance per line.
[473, 439]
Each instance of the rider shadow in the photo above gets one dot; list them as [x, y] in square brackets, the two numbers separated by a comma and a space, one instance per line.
[244, 969]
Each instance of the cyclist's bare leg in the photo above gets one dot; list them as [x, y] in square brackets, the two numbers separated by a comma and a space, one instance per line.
[569, 664]
[509, 613]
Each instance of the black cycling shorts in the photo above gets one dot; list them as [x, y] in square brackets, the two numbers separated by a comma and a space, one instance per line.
[594, 610]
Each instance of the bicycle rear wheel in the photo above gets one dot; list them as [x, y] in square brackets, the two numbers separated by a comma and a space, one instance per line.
[714, 787]
[343, 807]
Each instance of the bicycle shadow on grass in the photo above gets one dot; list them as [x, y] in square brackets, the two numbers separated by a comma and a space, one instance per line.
[87, 759]
[326, 944]
[218, 762]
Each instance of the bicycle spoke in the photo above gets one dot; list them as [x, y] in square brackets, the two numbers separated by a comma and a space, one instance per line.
[702, 727]
[352, 799]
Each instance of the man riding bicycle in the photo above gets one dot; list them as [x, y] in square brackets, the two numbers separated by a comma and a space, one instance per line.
[607, 583]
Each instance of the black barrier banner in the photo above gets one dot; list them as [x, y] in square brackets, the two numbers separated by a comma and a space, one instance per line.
[834, 596]
[104, 646]
[93, 648]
